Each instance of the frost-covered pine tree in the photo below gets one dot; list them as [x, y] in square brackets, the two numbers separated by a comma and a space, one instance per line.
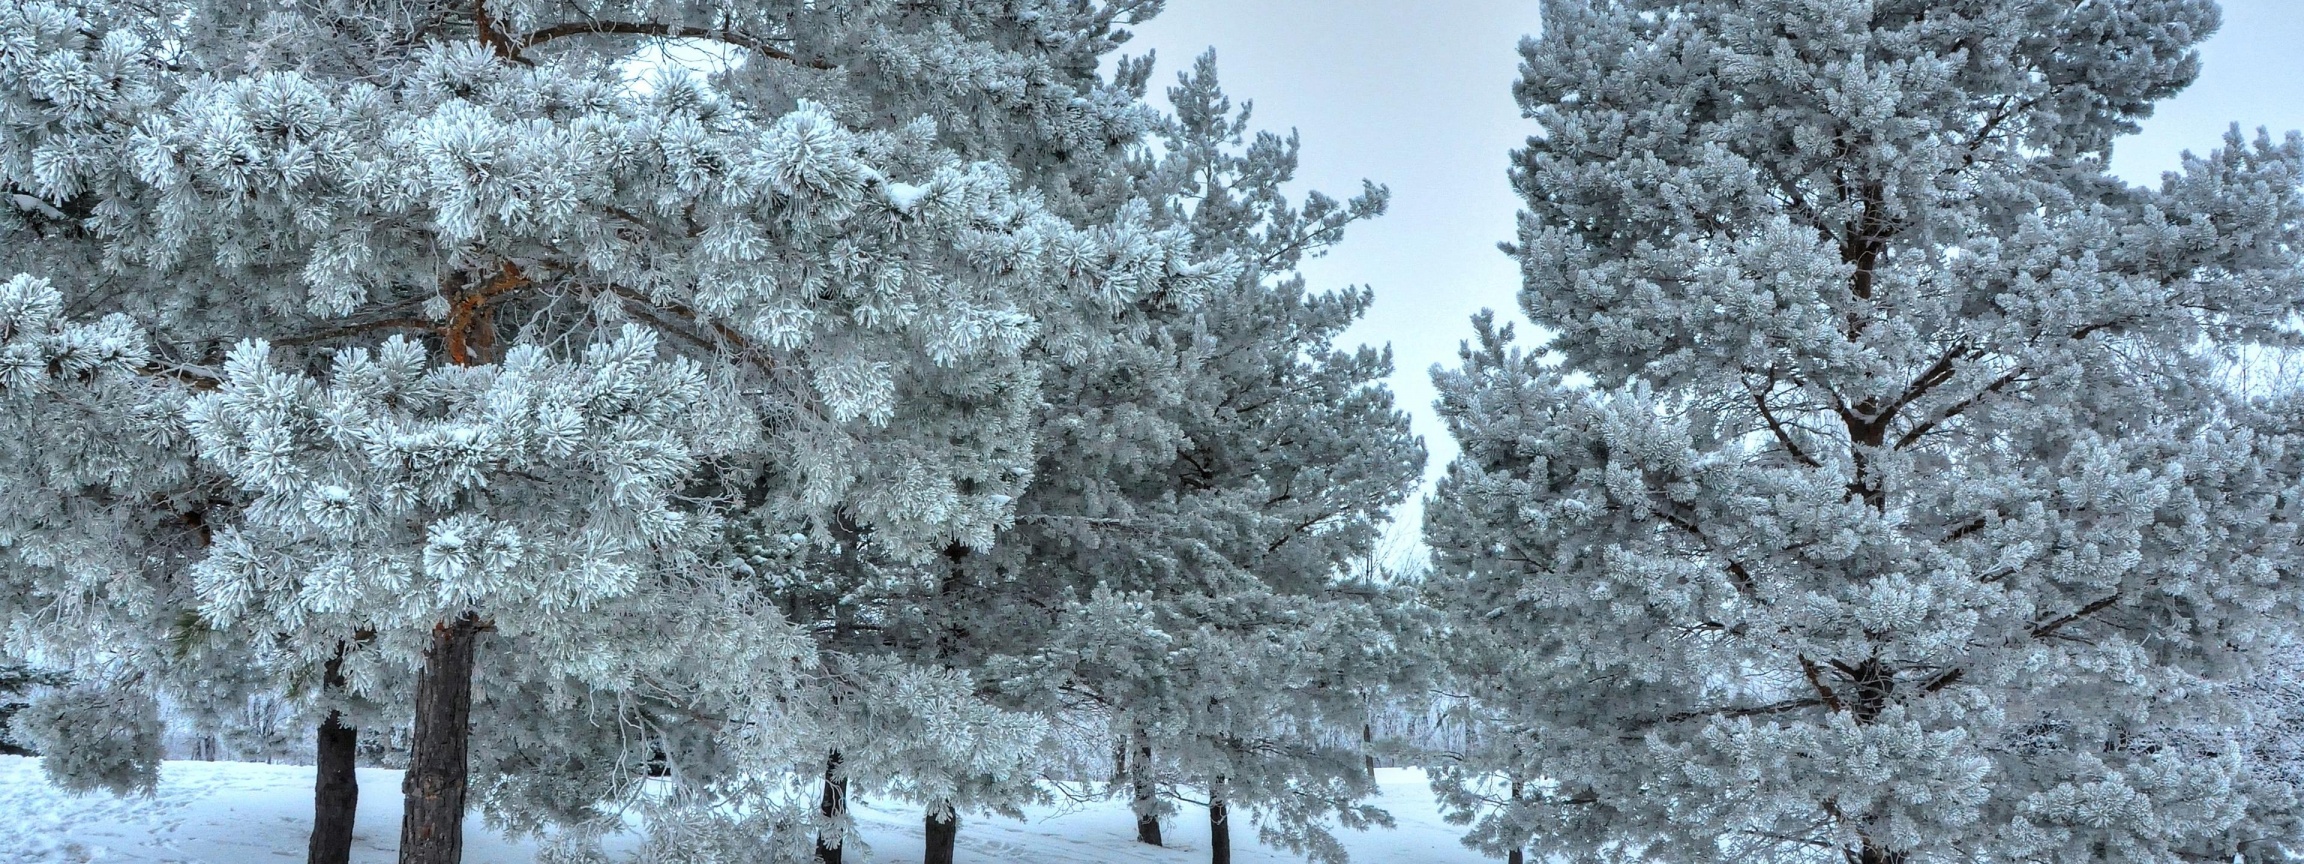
[477, 342]
[1200, 498]
[2272, 733]
[90, 565]
[101, 510]
[1874, 500]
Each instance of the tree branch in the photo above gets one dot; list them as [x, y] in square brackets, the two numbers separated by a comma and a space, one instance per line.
[1751, 711]
[2049, 629]
[1816, 679]
[1784, 437]
[1958, 408]
[484, 27]
[1944, 680]
[663, 31]
[1937, 373]
[354, 329]
[1737, 574]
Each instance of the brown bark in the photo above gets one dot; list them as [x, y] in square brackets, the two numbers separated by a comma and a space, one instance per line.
[432, 821]
[335, 793]
[943, 836]
[834, 805]
[1147, 795]
[1219, 824]
[335, 785]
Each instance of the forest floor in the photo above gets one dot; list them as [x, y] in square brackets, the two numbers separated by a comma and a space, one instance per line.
[248, 813]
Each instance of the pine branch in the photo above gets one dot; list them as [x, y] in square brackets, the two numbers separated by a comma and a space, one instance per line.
[1936, 375]
[484, 26]
[663, 31]
[1738, 574]
[1748, 711]
[1941, 681]
[1784, 437]
[1816, 679]
[354, 329]
[196, 377]
[2044, 631]
[1958, 408]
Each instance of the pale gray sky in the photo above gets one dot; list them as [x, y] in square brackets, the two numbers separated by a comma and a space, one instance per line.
[1417, 95]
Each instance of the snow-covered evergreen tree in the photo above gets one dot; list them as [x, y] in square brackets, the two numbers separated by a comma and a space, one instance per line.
[1874, 501]
[1201, 496]
[2272, 696]
[477, 343]
[90, 539]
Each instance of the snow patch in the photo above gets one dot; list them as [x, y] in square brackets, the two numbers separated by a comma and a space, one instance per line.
[903, 196]
[238, 812]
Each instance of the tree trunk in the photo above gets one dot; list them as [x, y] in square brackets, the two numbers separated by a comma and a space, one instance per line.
[943, 836]
[335, 784]
[830, 837]
[1516, 856]
[1367, 749]
[1219, 824]
[1147, 795]
[432, 822]
[335, 793]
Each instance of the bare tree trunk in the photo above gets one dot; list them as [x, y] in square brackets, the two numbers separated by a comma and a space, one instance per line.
[1516, 856]
[335, 784]
[335, 793]
[432, 820]
[943, 836]
[1147, 795]
[1219, 824]
[830, 838]
[1368, 749]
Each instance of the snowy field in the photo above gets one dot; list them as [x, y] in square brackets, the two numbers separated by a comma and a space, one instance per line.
[245, 813]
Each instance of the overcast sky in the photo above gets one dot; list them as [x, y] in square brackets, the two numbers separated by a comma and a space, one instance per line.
[1417, 96]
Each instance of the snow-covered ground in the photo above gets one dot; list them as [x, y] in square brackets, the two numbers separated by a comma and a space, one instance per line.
[244, 813]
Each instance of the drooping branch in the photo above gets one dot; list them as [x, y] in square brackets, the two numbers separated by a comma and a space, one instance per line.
[1966, 529]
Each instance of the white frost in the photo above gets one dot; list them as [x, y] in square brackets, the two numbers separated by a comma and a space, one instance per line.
[904, 196]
